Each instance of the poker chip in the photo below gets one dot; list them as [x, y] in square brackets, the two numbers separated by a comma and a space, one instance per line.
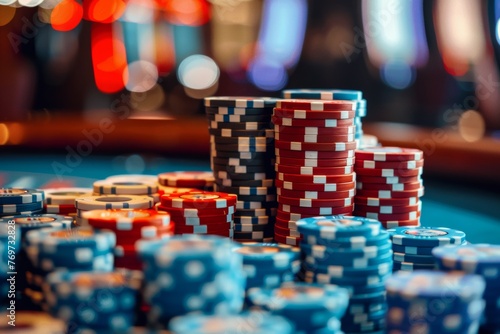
[317, 211]
[9, 196]
[287, 240]
[239, 118]
[315, 162]
[125, 188]
[240, 102]
[60, 208]
[114, 202]
[181, 268]
[313, 154]
[331, 227]
[238, 162]
[416, 259]
[325, 94]
[238, 169]
[6, 209]
[254, 205]
[403, 165]
[303, 170]
[253, 126]
[388, 179]
[375, 201]
[314, 138]
[114, 296]
[482, 260]
[199, 200]
[315, 123]
[426, 236]
[304, 187]
[408, 292]
[302, 146]
[342, 112]
[396, 154]
[196, 212]
[236, 110]
[387, 194]
[387, 209]
[309, 306]
[184, 179]
[126, 219]
[230, 133]
[315, 105]
[312, 203]
[253, 322]
[321, 196]
[302, 129]
[316, 179]
[387, 172]
[390, 187]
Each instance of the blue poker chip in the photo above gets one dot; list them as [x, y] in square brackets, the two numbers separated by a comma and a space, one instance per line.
[349, 242]
[417, 259]
[426, 236]
[324, 94]
[310, 259]
[325, 252]
[273, 256]
[27, 223]
[20, 196]
[240, 101]
[18, 208]
[308, 306]
[252, 322]
[81, 258]
[313, 277]
[346, 272]
[410, 266]
[333, 227]
[483, 259]
[415, 250]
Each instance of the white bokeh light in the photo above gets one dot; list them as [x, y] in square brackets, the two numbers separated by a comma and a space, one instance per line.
[198, 72]
[140, 76]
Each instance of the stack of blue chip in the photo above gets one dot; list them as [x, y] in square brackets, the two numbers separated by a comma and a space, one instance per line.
[334, 94]
[352, 252]
[413, 246]
[100, 302]
[480, 259]
[434, 302]
[251, 322]
[191, 273]
[17, 201]
[268, 265]
[310, 307]
[24, 267]
[52, 249]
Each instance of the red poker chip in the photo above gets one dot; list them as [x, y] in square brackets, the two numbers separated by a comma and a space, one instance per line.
[389, 154]
[398, 223]
[228, 233]
[314, 138]
[192, 212]
[315, 203]
[194, 179]
[314, 114]
[162, 190]
[313, 154]
[390, 194]
[316, 195]
[203, 220]
[387, 209]
[317, 211]
[287, 232]
[59, 208]
[314, 130]
[319, 105]
[203, 229]
[315, 162]
[313, 170]
[128, 262]
[391, 187]
[388, 180]
[410, 164]
[388, 172]
[385, 217]
[329, 147]
[291, 217]
[286, 224]
[124, 238]
[306, 187]
[287, 240]
[199, 200]
[316, 179]
[125, 219]
[321, 123]
[374, 201]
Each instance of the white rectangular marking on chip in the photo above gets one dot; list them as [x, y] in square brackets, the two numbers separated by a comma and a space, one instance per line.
[368, 164]
[311, 131]
[317, 106]
[319, 179]
[311, 154]
[306, 170]
[287, 121]
[299, 114]
[330, 187]
[296, 146]
[330, 123]
[387, 172]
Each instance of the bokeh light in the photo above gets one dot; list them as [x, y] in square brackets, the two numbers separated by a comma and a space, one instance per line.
[4, 134]
[267, 74]
[30, 3]
[186, 12]
[471, 126]
[66, 15]
[135, 164]
[49, 4]
[7, 2]
[151, 100]
[103, 11]
[397, 74]
[198, 72]
[140, 76]
[7, 13]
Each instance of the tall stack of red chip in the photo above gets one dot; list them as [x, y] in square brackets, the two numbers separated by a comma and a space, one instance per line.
[200, 212]
[314, 145]
[389, 185]
[130, 225]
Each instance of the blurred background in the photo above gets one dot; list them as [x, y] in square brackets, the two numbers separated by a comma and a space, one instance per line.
[431, 64]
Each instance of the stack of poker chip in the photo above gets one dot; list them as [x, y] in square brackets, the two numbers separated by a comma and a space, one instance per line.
[187, 179]
[105, 202]
[268, 265]
[249, 322]
[352, 252]
[312, 308]
[94, 302]
[200, 212]
[147, 186]
[27, 279]
[389, 185]
[479, 259]
[18, 201]
[62, 200]
[242, 161]
[334, 94]
[79, 249]
[191, 273]
[413, 246]
[130, 226]
[434, 302]
[315, 145]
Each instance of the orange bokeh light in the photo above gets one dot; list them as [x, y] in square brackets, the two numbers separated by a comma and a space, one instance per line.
[7, 13]
[108, 57]
[103, 11]
[186, 12]
[66, 15]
